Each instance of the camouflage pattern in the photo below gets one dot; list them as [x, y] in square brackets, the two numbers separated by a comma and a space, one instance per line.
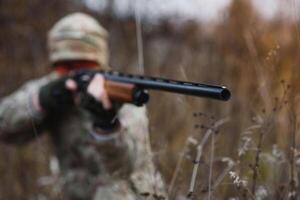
[117, 167]
[78, 37]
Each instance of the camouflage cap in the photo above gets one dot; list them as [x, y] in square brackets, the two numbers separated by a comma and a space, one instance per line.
[78, 37]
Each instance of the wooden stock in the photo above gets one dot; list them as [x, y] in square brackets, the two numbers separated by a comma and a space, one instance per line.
[119, 91]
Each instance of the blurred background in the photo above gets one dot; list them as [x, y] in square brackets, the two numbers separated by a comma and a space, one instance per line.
[250, 144]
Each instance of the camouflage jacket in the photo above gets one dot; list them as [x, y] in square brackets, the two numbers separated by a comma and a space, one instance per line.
[117, 166]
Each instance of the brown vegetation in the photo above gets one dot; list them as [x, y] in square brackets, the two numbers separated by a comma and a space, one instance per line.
[246, 148]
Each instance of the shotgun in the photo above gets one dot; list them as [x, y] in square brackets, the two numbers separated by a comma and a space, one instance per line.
[132, 88]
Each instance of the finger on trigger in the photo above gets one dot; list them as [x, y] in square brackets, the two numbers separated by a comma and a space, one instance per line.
[104, 98]
[71, 85]
[96, 87]
[98, 91]
[106, 101]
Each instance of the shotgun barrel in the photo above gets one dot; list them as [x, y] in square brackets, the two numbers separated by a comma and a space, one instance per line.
[182, 87]
[142, 83]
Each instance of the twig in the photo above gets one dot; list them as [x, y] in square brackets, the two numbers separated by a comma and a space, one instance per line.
[263, 132]
[230, 164]
[220, 178]
[139, 38]
[256, 163]
[195, 170]
[212, 152]
[268, 126]
[292, 189]
[177, 168]
[199, 154]
[241, 184]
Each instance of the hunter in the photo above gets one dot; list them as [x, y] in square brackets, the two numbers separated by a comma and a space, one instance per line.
[102, 146]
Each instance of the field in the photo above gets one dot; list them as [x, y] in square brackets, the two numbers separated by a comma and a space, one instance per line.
[246, 148]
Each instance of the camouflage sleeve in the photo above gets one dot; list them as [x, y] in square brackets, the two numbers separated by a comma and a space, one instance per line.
[145, 178]
[19, 121]
[145, 181]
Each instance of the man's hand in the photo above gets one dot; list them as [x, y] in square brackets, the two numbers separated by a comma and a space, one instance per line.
[96, 101]
[96, 89]
[55, 96]
[63, 93]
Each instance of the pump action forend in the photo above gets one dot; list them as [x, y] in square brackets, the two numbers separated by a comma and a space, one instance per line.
[132, 88]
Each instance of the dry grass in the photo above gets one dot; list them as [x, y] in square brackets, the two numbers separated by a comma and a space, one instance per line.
[254, 155]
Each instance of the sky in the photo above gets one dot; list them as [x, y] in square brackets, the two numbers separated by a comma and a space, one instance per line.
[202, 10]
